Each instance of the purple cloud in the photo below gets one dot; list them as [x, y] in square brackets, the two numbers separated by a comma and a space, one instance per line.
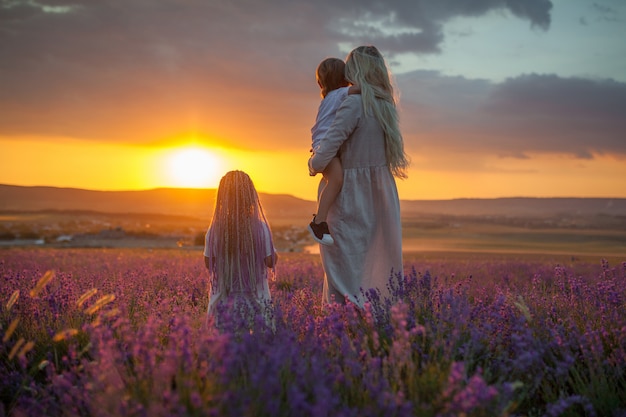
[69, 66]
[528, 114]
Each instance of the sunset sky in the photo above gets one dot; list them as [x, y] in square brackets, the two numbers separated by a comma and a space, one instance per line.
[498, 98]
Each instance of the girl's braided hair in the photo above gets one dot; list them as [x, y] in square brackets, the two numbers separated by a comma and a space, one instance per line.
[238, 236]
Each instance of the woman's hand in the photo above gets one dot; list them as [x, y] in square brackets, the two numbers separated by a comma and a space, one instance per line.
[354, 89]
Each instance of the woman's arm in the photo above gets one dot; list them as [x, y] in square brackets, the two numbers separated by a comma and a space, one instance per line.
[345, 122]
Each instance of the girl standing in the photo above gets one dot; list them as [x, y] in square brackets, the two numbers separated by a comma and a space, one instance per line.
[239, 250]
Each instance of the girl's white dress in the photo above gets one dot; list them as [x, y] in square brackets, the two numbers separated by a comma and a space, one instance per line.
[262, 295]
[365, 218]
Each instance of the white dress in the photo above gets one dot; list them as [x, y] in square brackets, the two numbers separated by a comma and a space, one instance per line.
[364, 220]
[262, 295]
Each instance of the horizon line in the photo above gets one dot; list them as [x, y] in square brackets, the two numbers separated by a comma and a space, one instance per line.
[291, 195]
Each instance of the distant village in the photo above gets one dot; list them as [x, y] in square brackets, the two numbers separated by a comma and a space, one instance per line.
[60, 229]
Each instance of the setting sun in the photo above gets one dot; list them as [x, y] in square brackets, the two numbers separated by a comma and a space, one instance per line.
[194, 167]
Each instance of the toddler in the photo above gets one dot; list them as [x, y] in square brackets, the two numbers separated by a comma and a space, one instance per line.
[334, 87]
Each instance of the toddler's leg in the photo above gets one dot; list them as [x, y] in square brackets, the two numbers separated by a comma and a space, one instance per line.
[333, 174]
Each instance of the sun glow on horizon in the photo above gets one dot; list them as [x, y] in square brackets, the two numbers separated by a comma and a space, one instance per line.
[189, 162]
[194, 167]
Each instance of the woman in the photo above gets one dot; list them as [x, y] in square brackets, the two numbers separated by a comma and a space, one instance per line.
[367, 232]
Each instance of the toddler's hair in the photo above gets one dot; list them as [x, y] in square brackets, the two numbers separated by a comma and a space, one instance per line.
[238, 236]
[331, 75]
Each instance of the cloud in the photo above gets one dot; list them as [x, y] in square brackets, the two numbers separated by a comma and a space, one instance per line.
[583, 116]
[606, 13]
[141, 71]
[416, 26]
[529, 114]
[603, 9]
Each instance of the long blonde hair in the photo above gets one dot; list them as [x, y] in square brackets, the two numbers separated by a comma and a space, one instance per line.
[365, 67]
[237, 237]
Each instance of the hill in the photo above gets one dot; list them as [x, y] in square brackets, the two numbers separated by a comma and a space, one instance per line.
[170, 201]
[518, 206]
[168, 217]
[199, 203]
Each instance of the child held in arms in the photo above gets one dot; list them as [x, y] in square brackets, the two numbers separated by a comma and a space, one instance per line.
[330, 75]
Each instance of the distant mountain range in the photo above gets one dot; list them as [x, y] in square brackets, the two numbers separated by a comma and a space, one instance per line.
[199, 203]
[519, 206]
[169, 201]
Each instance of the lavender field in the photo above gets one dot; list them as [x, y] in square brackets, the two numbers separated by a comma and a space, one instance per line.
[123, 332]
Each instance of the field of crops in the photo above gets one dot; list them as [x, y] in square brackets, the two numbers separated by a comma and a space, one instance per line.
[123, 332]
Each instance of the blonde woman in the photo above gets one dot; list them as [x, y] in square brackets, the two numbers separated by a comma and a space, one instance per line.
[239, 250]
[365, 216]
